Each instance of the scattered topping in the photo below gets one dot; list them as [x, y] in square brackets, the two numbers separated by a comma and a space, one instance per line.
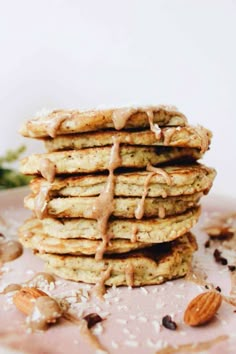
[202, 308]
[40, 279]
[92, 319]
[218, 289]
[40, 308]
[207, 244]
[168, 323]
[232, 268]
[219, 258]
[219, 232]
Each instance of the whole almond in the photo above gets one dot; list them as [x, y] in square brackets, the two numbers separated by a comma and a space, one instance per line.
[24, 299]
[202, 308]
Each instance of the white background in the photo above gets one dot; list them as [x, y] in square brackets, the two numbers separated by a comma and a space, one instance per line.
[79, 54]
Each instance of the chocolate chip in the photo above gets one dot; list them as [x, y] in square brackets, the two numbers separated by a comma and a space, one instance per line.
[218, 258]
[217, 254]
[218, 289]
[1, 236]
[168, 323]
[207, 244]
[206, 286]
[92, 319]
[223, 261]
[232, 268]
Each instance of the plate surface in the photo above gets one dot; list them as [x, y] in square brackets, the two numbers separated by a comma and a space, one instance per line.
[132, 316]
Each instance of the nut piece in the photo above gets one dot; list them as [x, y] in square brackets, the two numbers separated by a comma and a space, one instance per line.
[202, 308]
[25, 298]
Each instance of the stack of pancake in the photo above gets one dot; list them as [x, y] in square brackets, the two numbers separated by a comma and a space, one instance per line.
[116, 194]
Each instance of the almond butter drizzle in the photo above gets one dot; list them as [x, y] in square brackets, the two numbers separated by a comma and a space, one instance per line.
[10, 288]
[161, 212]
[90, 337]
[99, 289]
[10, 250]
[46, 310]
[41, 277]
[129, 275]
[54, 123]
[47, 169]
[133, 238]
[40, 201]
[104, 204]
[168, 136]
[161, 172]
[121, 116]
[139, 211]
[154, 127]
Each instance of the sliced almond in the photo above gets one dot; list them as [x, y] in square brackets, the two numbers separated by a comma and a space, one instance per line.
[202, 308]
[25, 298]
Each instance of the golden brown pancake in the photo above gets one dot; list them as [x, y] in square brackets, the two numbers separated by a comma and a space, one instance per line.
[171, 181]
[153, 265]
[71, 121]
[98, 159]
[80, 207]
[191, 137]
[152, 230]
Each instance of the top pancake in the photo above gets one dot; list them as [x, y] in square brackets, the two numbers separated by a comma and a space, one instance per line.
[71, 121]
[188, 136]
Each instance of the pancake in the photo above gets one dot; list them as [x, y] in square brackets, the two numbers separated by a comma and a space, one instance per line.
[32, 236]
[183, 180]
[191, 137]
[75, 207]
[153, 265]
[98, 159]
[71, 121]
[152, 230]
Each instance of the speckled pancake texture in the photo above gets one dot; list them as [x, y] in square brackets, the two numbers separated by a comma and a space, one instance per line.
[185, 179]
[74, 121]
[191, 137]
[152, 230]
[153, 265]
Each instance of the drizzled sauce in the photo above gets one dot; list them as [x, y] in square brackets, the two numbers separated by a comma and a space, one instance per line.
[90, 337]
[10, 250]
[99, 289]
[40, 201]
[133, 238]
[161, 212]
[139, 211]
[168, 136]
[120, 117]
[40, 278]
[161, 172]
[104, 204]
[46, 310]
[47, 169]
[154, 127]
[11, 287]
[129, 275]
[54, 123]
